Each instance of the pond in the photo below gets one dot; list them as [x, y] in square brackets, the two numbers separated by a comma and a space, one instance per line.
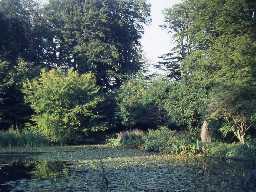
[103, 169]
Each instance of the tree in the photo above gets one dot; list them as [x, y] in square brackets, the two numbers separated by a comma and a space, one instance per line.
[19, 57]
[196, 24]
[97, 36]
[177, 22]
[13, 111]
[185, 104]
[19, 20]
[236, 107]
[138, 107]
[64, 105]
[220, 57]
[227, 70]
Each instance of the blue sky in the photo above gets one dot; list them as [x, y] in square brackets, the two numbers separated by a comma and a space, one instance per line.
[156, 41]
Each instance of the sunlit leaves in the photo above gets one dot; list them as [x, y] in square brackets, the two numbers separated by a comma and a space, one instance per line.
[64, 103]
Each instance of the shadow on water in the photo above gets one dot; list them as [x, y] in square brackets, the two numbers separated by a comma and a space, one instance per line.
[14, 172]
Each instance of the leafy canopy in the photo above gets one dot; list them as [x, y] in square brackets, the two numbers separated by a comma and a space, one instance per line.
[64, 104]
[97, 36]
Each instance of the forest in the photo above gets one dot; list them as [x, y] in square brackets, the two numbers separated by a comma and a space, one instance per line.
[74, 88]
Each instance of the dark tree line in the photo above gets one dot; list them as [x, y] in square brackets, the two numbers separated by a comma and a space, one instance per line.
[101, 37]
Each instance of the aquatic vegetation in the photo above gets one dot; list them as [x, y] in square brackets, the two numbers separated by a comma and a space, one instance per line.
[101, 168]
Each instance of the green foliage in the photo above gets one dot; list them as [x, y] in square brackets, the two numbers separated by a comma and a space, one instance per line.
[226, 128]
[149, 104]
[185, 104]
[129, 98]
[157, 140]
[13, 110]
[18, 35]
[20, 51]
[101, 37]
[166, 141]
[46, 169]
[97, 36]
[130, 139]
[114, 142]
[216, 57]
[232, 151]
[183, 143]
[14, 138]
[138, 105]
[235, 106]
[64, 104]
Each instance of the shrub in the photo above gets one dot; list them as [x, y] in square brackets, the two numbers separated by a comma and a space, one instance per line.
[133, 139]
[245, 152]
[13, 138]
[137, 105]
[64, 104]
[159, 102]
[114, 142]
[165, 141]
[157, 140]
[232, 151]
[183, 143]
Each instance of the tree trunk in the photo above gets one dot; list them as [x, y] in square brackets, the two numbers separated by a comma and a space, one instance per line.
[241, 131]
[205, 133]
[240, 136]
[242, 139]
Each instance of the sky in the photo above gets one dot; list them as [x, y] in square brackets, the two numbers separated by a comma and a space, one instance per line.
[157, 41]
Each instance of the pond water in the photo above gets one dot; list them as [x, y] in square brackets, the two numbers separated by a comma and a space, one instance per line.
[149, 173]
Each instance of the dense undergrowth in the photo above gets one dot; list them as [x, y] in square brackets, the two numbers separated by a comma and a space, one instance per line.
[161, 140]
[164, 141]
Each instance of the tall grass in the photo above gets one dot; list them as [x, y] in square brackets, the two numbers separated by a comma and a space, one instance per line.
[15, 138]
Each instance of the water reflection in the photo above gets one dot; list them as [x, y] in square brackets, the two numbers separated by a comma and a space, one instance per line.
[48, 169]
[15, 172]
[12, 172]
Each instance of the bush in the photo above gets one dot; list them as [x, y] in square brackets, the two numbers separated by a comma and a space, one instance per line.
[245, 152]
[137, 105]
[131, 139]
[65, 105]
[14, 138]
[159, 102]
[165, 141]
[182, 143]
[157, 140]
[232, 151]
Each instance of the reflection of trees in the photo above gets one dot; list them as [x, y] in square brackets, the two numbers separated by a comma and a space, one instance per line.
[15, 171]
[46, 169]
